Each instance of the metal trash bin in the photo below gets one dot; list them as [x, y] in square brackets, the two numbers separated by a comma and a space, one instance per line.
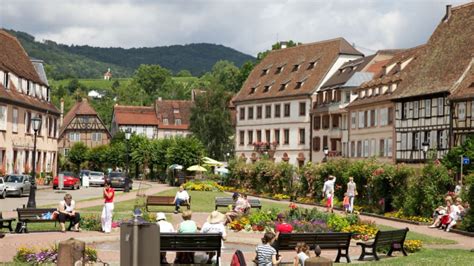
[148, 244]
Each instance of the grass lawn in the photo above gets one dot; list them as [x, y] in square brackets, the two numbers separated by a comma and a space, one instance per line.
[201, 201]
[430, 257]
[427, 240]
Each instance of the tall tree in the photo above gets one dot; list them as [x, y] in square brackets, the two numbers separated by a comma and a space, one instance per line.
[211, 121]
[227, 75]
[185, 151]
[78, 154]
[150, 78]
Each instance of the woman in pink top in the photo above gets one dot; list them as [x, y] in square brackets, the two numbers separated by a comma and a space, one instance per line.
[106, 218]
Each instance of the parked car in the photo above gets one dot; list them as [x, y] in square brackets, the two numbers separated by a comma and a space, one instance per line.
[117, 180]
[3, 188]
[96, 178]
[70, 181]
[17, 185]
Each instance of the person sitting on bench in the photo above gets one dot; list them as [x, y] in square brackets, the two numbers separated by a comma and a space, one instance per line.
[181, 197]
[67, 212]
[241, 206]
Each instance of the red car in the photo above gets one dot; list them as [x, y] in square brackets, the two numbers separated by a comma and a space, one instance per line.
[70, 181]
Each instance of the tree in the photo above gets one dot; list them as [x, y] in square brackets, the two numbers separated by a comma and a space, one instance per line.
[78, 154]
[184, 73]
[211, 122]
[186, 151]
[245, 71]
[97, 157]
[227, 75]
[452, 160]
[116, 154]
[150, 78]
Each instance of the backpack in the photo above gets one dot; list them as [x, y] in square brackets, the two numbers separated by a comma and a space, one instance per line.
[238, 259]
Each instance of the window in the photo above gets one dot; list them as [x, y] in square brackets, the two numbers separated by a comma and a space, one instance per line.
[416, 141]
[268, 111]
[373, 118]
[366, 148]
[177, 122]
[259, 112]
[302, 108]
[359, 148]
[440, 106]
[383, 116]
[311, 65]
[439, 139]
[28, 87]
[382, 148]
[250, 114]
[416, 109]
[15, 120]
[427, 107]
[277, 136]
[287, 110]
[264, 72]
[347, 97]
[279, 70]
[427, 137]
[325, 121]
[335, 121]
[325, 141]
[27, 122]
[175, 111]
[259, 136]
[286, 136]
[302, 136]
[462, 111]
[3, 117]
[316, 143]
[353, 119]
[277, 110]
[353, 148]
[74, 136]
[267, 136]
[66, 152]
[316, 122]
[283, 86]
[299, 84]
[403, 141]
[165, 121]
[252, 90]
[250, 136]
[96, 136]
[20, 85]
[266, 88]
[5, 80]
[472, 109]
[242, 113]
[404, 110]
[241, 137]
[390, 115]
[361, 119]
[295, 68]
[389, 147]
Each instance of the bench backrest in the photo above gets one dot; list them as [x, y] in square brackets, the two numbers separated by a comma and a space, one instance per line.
[191, 242]
[288, 241]
[225, 201]
[161, 199]
[387, 238]
[32, 213]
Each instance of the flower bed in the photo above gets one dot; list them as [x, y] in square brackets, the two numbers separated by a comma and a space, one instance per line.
[47, 255]
[203, 186]
[413, 246]
[400, 215]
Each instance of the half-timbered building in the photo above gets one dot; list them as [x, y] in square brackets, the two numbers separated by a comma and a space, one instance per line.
[423, 114]
[82, 124]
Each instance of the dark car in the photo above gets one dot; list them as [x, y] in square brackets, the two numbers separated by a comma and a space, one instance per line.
[117, 180]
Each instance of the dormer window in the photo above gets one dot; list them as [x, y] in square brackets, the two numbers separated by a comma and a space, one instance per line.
[369, 93]
[279, 70]
[376, 91]
[264, 72]
[175, 111]
[252, 90]
[299, 84]
[5, 80]
[267, 88]
[28, 87]
[295, 68]
[20, 85]
[177, 122]
[165, 121]
[311, 65]
[283, 86]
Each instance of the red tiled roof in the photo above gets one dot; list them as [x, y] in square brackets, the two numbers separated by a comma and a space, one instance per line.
[81, 107]
[13, 58]
[446, 56]
[376, 67]
[323, 54]
[464, 89]
[166, 109]
[13, 96]
[135, 115]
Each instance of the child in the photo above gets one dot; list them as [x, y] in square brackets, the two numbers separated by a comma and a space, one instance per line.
[266, 254]
[346, 203]
[302, 253]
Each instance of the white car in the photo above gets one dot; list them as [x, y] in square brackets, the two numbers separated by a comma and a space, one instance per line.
[96, 178]
[3, 188]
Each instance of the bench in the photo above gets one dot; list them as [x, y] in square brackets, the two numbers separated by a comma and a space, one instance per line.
[393, 239]
[163, 201]
[339, 241]
[191, 242]
[226, 201]
[6, 223]
[32, 215]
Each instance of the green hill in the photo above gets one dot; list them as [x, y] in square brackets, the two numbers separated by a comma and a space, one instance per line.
[63, 61]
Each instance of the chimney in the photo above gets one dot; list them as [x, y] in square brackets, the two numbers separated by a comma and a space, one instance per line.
[448, 13]
[283, 45]
[62, 113]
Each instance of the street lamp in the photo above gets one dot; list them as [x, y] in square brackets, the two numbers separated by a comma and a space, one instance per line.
[36, 124]
[326, 152]
[426, 147]
[128, 134]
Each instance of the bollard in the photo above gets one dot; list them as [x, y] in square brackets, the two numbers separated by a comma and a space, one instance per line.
[70, 252]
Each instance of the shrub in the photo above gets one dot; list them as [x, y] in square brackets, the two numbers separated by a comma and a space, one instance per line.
[413, 246]
[91, 222]
[468, 220]
[337, 223]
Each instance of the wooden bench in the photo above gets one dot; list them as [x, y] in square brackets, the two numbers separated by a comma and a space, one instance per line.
[191, 242]
[6, 223]
[163, 201]
[393, 239]
[226, 201]
[32, 215]
[339, 241]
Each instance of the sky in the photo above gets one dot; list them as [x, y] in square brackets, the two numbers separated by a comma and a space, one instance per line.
[249, 26]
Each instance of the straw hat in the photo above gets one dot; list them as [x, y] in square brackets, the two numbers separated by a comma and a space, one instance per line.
[216, 217]
[160, 216]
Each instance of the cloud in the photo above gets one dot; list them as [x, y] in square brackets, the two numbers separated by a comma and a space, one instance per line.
[248, 26]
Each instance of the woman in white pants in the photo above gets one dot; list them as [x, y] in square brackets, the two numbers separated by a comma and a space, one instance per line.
[351, 192]
[106, 217]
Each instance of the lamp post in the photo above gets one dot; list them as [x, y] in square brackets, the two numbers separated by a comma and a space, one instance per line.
[128, 134]
[36, 124]
[426, 147]
[326, 152]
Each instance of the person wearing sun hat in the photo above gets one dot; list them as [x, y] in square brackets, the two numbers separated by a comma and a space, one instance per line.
[214, 224]
[165, 227]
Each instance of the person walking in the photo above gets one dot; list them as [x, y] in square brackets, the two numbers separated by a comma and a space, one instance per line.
[328, 192]
[67, 212]
[351, 193]
[106, 218]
